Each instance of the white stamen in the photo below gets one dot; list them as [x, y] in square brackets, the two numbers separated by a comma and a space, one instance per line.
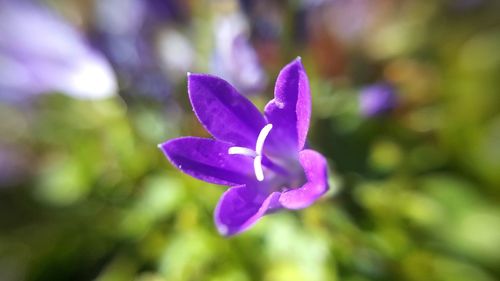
[257, 166]
[242, 151]
[257, 154]
[262, 138]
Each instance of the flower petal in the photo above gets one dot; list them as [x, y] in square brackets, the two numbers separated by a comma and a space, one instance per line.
[226, 114]
[290, 110]
[240, 207]
[208, 160]
[315, 168]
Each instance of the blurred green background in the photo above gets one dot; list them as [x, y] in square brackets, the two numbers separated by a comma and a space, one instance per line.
[85, 194]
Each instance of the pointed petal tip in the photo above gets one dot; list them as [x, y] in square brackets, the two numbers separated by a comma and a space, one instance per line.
[294, 65]
[196, 78]
[204, 75]
[298, 61]
[162, 145]
[223, 230]
[193, 76]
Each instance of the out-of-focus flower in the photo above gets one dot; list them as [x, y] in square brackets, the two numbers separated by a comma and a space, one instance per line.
[234, 58]
[40, 52]
[261, 157]
[127, 32]
[377, 99]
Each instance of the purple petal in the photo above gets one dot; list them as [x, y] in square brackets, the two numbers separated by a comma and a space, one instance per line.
[315, 168]
[240, 207]
[226, 114]
[208, 160]
[290, 110]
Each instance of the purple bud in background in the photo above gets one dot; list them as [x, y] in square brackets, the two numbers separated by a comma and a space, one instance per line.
[377, 99]
[234, 58]
[40, 53]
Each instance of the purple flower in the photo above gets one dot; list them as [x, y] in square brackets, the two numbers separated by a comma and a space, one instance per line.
[260, 157]
[39, 52]
[377, 100]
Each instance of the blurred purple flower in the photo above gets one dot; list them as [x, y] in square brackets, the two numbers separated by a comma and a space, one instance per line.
[126, 32]
[39, 52]
[377, 99]
[234, 58]
[262, 158]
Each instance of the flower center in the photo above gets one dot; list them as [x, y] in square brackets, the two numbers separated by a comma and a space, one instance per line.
[255, 154]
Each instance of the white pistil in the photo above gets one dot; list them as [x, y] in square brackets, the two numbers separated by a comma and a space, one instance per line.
[262, 138]
[242, 151]
[257, 167]
[257, 153]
